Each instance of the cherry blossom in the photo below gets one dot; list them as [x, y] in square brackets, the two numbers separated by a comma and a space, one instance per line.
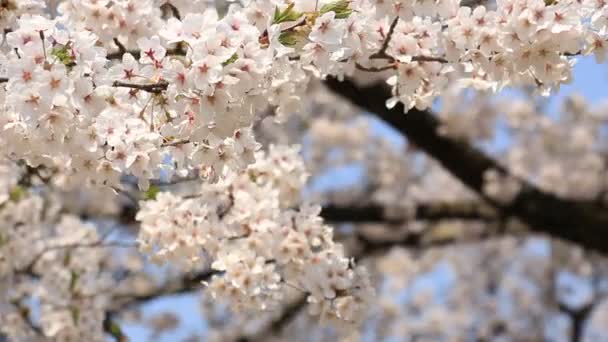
[112, 101]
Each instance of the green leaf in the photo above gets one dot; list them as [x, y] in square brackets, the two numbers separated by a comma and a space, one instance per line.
[339, 7]
[231, 60]
[74, 276]
[62, 53]
[67, 258]
[16, 193]
[288, 38]
[115, 329]
[287, 15]
[151, 193]
[75, 314]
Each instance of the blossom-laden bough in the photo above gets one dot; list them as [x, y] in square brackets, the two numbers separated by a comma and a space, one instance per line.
[98, 93]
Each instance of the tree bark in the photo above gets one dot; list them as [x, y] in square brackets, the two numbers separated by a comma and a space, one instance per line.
[582, 222]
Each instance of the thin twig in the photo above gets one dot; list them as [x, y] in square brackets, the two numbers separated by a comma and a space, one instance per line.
[376, 69]
[175, 143]
[382, 53]
[24, 312]
[155, 88]
[121, 47]
[394, 64]
[429, 59]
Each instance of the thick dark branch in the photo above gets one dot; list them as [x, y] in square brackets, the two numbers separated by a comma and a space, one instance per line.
[425, 211]
[288, 313]
[421, 129]
[436, 237]
[186, 283]
[582, 222]
[192, 282]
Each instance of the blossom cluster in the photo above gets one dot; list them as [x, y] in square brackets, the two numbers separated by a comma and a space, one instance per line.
[520, 43]
[114, 87]
[259, 245]
[97, 90]
[55, 259]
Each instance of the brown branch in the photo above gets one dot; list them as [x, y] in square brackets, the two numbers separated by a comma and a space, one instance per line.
[374, 213]
[425, 211]
[422, 129]
[394, 64]
[155, 88]
[391, 66]
[429, 59]
[381, 54]
[175, 143]
[121, 47]
[370, 247]
[25, 314]
[169, 7]
[582, 222]
[277, 325]
[187, 283]
[118, 54]
[419, 241]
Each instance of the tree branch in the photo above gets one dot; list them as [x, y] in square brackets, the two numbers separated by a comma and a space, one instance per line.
[382, 53]
[374, 213]
[25, 314]
[184, 284]
[578, 318]
[582, 222]
[155, 88]
[288, 314]
[192, 282]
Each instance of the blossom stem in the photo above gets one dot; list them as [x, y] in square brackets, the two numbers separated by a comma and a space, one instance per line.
[155, 88]
[381, 54]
